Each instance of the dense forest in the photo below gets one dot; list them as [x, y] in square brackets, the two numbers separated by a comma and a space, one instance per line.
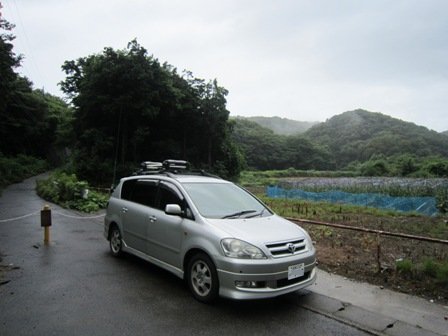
[130, 108]
[122, 107]
[35, 127]
[362, 142]
[358, 135]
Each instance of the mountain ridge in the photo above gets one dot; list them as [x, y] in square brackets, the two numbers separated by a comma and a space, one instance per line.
[281, 126]
[351, 137]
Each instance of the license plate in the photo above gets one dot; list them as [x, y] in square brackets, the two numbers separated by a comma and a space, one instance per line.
[296, 271]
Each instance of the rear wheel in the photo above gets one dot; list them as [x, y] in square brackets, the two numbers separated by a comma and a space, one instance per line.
[115, 241]
[202, 278]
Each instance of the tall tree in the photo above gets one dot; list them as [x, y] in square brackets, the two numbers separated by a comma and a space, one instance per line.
[130, 108]
[8, 62]
[214, 114]
[116, 96]
[28, 121]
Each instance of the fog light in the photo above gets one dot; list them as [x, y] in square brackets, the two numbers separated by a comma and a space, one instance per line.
[249, 284]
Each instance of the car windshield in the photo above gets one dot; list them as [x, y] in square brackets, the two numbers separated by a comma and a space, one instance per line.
[224, 200]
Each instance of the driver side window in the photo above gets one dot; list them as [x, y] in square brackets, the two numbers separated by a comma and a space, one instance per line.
[169, 194]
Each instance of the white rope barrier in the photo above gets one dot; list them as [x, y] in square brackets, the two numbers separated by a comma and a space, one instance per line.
[54, 212]
[78, 217]
[17, 218]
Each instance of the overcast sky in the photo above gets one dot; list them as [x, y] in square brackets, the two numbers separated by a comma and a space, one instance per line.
[302, 60]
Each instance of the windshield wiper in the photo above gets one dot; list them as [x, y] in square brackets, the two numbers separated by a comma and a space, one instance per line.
[239, 213]
[257, 214]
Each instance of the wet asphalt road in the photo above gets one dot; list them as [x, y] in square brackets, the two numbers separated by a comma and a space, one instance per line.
[75, 287]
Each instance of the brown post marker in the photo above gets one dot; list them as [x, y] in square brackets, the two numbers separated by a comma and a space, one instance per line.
[45, 222]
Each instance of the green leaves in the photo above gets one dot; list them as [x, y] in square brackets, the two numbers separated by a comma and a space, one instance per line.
[130, 108]
[66, 190]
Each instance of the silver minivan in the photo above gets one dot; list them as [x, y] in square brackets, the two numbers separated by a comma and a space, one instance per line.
[214, 234]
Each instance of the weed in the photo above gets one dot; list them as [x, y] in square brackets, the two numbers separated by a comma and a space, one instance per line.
[404, 266]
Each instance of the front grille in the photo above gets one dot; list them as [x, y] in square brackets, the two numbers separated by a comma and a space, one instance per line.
[285, 282]
[287, 248]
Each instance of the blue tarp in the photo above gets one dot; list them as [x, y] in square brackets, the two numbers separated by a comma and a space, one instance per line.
[424, 205]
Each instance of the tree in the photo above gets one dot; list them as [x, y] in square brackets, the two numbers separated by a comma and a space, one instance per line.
[212, 106]
[130, 108]
[29, 119]
[8, 62]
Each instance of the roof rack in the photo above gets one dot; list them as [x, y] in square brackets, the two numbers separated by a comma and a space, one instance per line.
[176, 164]
[151, 166]
[170, 167]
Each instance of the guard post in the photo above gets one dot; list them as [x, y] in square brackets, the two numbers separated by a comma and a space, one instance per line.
[45, 222]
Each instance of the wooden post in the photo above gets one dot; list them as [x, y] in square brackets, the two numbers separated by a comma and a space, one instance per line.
[378, 251]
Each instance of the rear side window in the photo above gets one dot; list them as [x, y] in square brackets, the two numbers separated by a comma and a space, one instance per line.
[126, 189]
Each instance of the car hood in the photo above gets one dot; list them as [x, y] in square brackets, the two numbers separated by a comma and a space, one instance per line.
[259, 230]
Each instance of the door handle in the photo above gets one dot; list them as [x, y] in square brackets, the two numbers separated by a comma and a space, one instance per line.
[124, 210]
[152, 219]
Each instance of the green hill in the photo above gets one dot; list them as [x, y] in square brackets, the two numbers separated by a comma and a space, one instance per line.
[263, 149]
[369, 142]
[359, 134]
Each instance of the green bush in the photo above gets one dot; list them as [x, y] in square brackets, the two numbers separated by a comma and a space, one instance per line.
[16, 169]
[442, 273]
[66, 190]
[442, 201]
[436, 270]
[405, 266]
[428, 268]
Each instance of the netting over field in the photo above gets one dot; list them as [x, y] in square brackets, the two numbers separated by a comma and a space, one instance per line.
[424, 205]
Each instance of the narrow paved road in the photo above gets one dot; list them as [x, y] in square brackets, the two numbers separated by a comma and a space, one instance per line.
[74, 287]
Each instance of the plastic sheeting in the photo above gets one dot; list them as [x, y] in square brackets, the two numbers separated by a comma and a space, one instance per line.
[423, 205]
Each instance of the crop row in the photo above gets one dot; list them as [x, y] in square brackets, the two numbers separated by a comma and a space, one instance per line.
[392, 186]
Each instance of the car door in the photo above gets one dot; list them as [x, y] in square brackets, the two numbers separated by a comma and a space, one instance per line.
[138, 213]
[165, 231]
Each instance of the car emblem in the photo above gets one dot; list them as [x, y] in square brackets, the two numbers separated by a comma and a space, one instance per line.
[291, 247]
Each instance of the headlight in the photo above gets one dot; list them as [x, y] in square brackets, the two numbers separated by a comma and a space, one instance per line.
[235, 248]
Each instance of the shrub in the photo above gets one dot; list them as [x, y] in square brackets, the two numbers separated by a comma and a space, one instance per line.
[442, 273]
[16, 169]
[430, 268]
[67, 191]
[404, 267]
[442, 201]
[436, 270]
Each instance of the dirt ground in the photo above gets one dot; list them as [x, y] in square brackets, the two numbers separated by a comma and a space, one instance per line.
[364, 257]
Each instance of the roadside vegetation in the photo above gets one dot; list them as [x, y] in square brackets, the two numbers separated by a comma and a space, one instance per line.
[66, 190]
[16, 169]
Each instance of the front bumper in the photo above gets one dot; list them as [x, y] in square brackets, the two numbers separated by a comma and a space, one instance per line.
[269, 276]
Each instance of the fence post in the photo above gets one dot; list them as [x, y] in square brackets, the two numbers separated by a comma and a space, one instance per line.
[378, 251]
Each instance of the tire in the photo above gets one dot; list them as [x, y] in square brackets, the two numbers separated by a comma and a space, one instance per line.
[202, 278]
[115, 241]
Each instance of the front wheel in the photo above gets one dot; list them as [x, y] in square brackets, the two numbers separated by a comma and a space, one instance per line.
[202, 278]
[115, 241]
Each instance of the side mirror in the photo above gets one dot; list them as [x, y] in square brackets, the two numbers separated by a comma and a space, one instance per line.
[173, 209]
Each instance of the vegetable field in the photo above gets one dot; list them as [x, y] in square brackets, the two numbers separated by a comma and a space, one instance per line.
[425, 196]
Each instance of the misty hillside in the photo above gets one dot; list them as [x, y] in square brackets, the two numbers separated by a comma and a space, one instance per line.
[282, 126]
[359, 134]
[349, 138]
